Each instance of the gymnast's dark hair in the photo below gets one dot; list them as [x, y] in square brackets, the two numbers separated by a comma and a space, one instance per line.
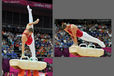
[31, 30]
[63, 26]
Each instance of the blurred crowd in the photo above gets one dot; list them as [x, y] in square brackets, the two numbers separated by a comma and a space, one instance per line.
[49, 67]
[102, 32]
[11, 45]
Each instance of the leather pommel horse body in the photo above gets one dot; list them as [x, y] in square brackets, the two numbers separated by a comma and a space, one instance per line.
[28, 65]
[85, 51]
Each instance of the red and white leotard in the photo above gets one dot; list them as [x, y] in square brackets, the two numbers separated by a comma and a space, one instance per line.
[29, 39]
[79, 33]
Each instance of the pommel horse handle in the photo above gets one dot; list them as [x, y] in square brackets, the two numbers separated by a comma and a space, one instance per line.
[24, 57]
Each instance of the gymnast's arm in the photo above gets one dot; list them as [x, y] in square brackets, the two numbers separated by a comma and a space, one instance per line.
[66, 29]
[24, 39]
[74, 37]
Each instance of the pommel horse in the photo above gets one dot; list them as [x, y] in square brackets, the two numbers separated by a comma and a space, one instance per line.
[85, 51]
[23, 65]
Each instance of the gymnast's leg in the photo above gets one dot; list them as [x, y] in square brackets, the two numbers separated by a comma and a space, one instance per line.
[32, 46]
[90, 38]
[30, 14]
[85, 36]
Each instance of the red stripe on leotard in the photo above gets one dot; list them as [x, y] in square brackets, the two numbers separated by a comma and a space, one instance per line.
[79, 33]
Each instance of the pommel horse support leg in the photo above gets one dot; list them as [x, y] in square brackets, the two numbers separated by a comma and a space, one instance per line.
[84, 51]
[21, 73]
[27, 65]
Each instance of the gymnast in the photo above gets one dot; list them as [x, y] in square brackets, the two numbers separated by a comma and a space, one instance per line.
[75, 32]
[27, 36]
